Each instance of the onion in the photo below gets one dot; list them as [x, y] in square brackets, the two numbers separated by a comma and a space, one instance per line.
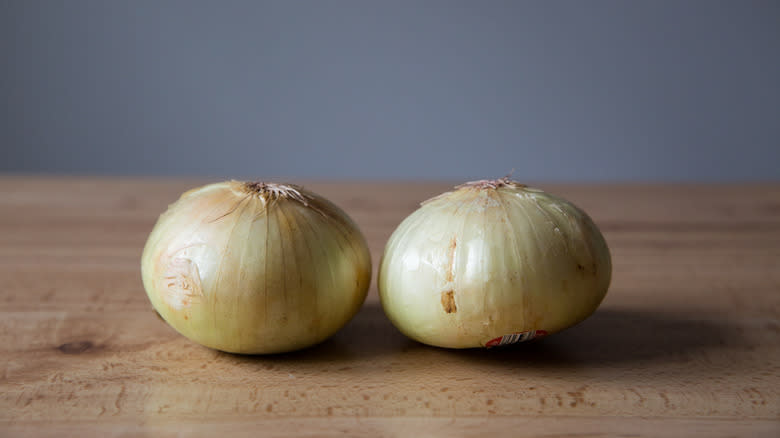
[492, 263]
[255, 267]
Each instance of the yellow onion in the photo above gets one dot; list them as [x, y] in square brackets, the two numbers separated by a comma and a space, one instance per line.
[492, 263]
[255, 267]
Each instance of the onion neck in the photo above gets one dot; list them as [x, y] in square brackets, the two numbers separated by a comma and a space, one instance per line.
[475, 187]
[269, 192]
[491, 184]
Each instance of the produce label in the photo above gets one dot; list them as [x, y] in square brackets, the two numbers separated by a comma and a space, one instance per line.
[515, 338]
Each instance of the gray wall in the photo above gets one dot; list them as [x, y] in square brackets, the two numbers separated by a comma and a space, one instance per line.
[557, 90]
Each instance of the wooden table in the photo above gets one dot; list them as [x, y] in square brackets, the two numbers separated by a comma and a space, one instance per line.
[685, 344]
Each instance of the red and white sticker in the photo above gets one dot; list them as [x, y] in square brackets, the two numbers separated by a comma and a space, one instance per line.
[515, 338]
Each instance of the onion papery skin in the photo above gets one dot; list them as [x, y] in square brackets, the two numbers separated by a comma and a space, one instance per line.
[491, 259]
[255, 268]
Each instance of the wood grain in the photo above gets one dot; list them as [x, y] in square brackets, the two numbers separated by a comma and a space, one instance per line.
[685, 344]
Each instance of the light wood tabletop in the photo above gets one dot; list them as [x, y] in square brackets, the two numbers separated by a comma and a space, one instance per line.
[686, 342]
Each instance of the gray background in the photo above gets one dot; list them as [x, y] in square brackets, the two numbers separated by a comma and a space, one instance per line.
[557, 90]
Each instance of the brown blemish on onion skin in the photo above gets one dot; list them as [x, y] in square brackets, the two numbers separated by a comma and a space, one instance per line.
[448, 301]
[448, 297]
[451, 267]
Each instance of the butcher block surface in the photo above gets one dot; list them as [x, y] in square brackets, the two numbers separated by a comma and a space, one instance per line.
[686, 342]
